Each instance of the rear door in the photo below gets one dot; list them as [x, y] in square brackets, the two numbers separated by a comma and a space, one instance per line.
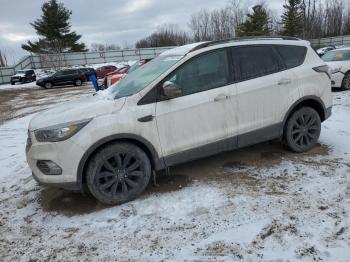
[203, 120]
[258, 92]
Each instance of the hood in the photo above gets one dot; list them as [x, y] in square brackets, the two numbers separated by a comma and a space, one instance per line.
[83, 108]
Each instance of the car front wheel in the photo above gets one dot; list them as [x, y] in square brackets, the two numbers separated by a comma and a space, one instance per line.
[303, 130]
[118, 173]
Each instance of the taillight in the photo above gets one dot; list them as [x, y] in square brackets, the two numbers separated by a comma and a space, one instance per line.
[324, 69]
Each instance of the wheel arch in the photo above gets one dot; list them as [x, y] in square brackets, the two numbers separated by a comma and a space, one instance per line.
[156, 162]
[309, 101]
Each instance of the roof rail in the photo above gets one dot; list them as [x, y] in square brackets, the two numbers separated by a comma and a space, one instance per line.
[245, 38]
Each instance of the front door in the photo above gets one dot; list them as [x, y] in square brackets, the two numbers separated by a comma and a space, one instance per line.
[203, 119]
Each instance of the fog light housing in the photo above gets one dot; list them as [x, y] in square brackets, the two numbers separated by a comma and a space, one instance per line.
[49, 168]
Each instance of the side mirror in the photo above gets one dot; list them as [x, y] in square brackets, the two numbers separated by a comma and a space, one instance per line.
[171, 90]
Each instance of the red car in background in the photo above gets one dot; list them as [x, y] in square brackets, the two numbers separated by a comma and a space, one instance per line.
[102, 71]
[115, 76]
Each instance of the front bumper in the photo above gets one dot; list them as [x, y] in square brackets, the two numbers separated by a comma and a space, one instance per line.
[66, 155]
[337, 79]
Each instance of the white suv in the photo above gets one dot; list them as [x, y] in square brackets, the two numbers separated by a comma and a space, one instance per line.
[188, 103]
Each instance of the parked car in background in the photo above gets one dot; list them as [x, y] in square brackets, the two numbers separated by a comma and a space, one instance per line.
[88, 72]
[23, 76]
[324, 50]
[64, 77]
[188, 103]
[339, 61]
[119, 71]
[115, 77]
[102, 71]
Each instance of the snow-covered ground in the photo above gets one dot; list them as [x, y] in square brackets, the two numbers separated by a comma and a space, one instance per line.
[262, 203]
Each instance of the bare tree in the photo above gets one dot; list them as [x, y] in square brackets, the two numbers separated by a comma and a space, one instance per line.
[166, 35]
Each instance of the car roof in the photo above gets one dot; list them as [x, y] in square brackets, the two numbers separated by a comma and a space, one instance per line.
[184, 50]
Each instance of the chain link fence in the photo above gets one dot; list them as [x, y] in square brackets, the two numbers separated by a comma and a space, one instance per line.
[337, 41]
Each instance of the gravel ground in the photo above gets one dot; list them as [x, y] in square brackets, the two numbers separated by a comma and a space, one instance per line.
[260, 203]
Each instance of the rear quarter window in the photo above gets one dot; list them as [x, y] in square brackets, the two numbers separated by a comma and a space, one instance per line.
[292, 56]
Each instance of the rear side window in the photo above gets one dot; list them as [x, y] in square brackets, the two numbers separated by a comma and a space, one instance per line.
[254, 61]
[292, 56]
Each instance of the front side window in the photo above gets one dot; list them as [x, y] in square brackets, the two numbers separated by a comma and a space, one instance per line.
[202, 73]
[254, 61]
[337, 55]
[292, 56]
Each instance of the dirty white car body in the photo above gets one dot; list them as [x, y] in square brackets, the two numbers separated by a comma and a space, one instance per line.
[341, 67]
[172, 131]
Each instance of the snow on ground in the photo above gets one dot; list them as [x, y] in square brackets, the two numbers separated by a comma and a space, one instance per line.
[262, 203]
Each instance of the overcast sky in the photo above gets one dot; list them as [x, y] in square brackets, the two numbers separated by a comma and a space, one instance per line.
[102, 21]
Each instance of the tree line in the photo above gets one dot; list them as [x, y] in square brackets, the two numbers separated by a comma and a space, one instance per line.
[307, 19]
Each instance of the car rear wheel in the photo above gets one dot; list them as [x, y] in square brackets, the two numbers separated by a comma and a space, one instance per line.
[118, 173]
[302, 130]
[48, 85]
[346, 82]
[23, 80]
[78, 82]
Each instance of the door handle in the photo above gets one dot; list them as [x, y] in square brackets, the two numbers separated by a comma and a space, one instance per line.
[221, 97]
[145, 119]
[284, 81]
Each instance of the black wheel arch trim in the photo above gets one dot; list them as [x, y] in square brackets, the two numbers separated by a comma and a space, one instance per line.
[157, 163]
[300, 101]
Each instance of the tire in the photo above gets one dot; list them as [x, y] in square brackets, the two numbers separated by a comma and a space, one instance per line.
[78, 82]
[48, 85]
[12, 83]
[23, 80]
[118, 173]
[346, 82]
[302, 130]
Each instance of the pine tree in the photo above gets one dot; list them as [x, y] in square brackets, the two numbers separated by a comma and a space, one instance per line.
[54, 31]
[292, 18]
[257, 23]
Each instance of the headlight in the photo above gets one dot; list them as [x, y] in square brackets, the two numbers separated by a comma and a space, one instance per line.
[60, 132]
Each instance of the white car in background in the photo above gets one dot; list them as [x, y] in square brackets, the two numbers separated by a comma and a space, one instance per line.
[339, 61]
[324, 50]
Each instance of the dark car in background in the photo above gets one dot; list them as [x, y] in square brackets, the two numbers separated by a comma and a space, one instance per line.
[102, 71]
[88, 72]
[23, 76]
[63, 77]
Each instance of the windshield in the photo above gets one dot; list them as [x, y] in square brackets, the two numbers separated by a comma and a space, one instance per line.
[139, 79]
[20, 72]
[337, 55]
